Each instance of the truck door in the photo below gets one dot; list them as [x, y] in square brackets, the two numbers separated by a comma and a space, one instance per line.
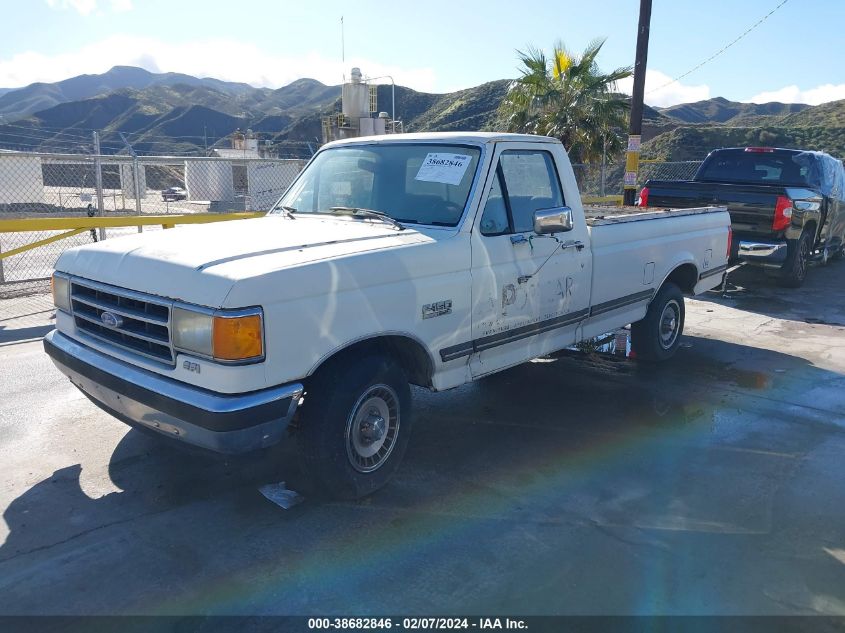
[529, 291]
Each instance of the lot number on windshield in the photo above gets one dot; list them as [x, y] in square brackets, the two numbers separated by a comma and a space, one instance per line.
[445, 168]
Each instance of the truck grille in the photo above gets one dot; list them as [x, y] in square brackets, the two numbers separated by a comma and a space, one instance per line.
[136, 322]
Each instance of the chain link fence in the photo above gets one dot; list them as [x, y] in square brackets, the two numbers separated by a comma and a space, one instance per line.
[598, 180]
[45, 185]
[65, 185]
[33, 184]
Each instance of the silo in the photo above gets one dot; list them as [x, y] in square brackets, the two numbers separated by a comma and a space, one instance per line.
[127, 180]
[356, 97]
[21, 179]
[209, 180]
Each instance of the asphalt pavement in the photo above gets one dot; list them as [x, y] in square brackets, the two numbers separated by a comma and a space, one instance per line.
[577, 484]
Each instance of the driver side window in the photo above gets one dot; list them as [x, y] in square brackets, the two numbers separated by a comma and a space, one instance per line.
[494, 220]
[526, 181]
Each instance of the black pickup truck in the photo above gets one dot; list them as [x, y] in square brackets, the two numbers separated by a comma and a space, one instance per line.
[787, 206]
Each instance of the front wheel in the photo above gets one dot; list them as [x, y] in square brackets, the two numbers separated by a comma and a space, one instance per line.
[657, 336]
[354, 424]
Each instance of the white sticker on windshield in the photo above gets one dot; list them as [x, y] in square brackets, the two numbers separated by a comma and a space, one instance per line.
[446, 168]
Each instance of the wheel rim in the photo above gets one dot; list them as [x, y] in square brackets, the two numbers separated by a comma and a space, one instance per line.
[372, 428]
[670, 324]
[803, 255]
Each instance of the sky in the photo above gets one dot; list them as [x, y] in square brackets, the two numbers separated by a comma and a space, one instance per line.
[795, 55]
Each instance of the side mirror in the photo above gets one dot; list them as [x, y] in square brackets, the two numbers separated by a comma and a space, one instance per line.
[556, 220]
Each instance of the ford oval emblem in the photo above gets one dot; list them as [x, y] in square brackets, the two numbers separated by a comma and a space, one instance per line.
[111, 320]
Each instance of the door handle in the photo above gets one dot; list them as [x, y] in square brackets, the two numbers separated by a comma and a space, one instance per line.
[519, 238]
[577, 244]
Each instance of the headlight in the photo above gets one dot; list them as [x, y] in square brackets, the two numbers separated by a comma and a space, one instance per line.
[60, 286]
[191, 331]
[228, 335]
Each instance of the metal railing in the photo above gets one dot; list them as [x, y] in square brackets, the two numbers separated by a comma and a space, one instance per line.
[26, 291]
[70, 185]
[61, 183]
[103, 196]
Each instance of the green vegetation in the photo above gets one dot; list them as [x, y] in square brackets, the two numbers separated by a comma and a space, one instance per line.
[687, 142]
[570, 98]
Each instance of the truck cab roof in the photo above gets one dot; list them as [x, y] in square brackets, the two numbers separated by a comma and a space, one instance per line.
[474, 138]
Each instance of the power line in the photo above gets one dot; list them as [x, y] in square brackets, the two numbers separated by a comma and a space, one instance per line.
[39, 130]
[722, 50]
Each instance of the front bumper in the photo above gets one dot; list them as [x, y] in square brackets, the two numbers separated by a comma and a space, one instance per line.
[763, 252]
[218, 422]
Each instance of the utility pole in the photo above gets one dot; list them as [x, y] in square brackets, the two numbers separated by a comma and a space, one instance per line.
[635, 127]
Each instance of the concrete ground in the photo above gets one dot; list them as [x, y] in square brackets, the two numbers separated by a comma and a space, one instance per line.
[710, 485]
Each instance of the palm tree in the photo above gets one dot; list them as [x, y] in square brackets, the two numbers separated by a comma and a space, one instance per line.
[569, 98]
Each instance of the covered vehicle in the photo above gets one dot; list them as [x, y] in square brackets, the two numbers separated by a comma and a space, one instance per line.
[787, 206]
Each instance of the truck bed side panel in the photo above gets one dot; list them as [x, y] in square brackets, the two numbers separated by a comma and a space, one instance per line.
[631, 260]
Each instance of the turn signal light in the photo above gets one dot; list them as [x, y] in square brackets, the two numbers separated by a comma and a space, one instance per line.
[642, 201]
[783, 214]
[237, 338]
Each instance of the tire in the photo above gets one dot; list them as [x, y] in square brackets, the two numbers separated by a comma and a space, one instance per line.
[657, 336]
[794, 271]
[354, 425]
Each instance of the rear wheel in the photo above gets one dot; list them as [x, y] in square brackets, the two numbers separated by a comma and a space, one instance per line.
[354, 424]
[658, 335]
[794, 271]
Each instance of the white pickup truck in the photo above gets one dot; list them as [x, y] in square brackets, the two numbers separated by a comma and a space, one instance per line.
[425, 259]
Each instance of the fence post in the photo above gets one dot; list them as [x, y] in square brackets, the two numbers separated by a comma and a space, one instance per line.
[603, 171]
[98, 179]
[137, 179]
[2, 276]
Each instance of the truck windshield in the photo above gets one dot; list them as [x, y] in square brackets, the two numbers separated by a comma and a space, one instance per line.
[755, 167]
[412, 183]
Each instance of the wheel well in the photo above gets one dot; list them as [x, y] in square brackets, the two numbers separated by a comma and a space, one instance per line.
[409, 353]
[810, 227]
[685, 277]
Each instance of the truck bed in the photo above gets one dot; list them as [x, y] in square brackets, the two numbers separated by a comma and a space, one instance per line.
[599, 216]
[636, 248]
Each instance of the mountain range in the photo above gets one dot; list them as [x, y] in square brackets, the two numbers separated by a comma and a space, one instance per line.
[172, 113]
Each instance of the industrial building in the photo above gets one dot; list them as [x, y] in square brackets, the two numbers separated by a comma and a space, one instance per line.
[359, 114]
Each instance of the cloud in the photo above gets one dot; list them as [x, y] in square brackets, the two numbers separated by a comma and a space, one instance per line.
[793, 94]
[659, 94]
[121, 6]
[87, 7]
[225, 59]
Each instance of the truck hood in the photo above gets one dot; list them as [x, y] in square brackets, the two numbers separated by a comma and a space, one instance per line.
[201, 263]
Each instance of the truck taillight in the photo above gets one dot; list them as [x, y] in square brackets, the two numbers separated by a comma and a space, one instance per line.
[783, 214]
[730, 242]
[642, 201]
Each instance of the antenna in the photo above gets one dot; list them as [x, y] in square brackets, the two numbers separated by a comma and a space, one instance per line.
[342, 49]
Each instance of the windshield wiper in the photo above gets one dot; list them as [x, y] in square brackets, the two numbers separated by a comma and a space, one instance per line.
[368, 213]
[289, 211]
